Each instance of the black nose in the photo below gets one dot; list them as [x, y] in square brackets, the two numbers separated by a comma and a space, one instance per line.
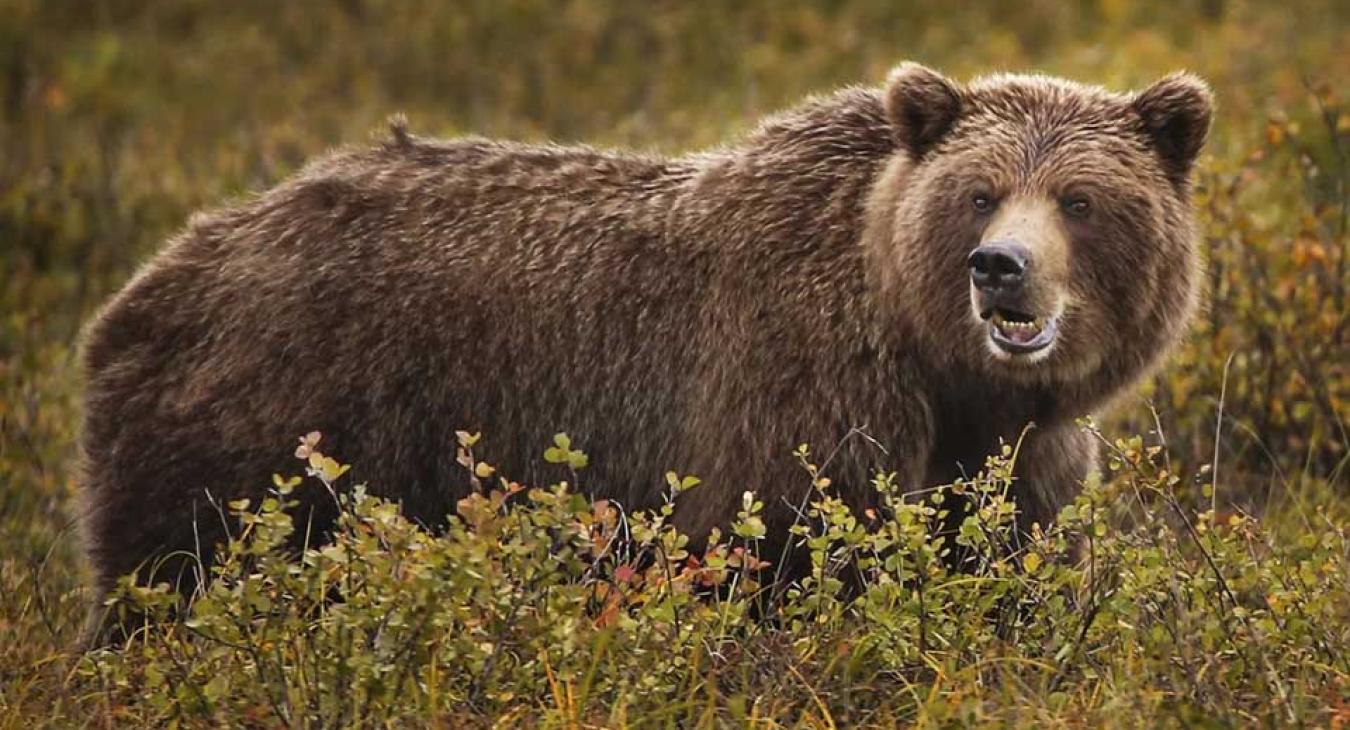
[997, 266]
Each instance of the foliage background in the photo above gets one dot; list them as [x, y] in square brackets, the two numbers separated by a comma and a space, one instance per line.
[118, 118]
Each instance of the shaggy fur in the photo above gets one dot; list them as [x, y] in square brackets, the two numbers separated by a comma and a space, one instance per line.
[702, 314]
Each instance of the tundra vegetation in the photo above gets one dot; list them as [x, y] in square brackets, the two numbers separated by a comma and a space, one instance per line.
[1202, 577]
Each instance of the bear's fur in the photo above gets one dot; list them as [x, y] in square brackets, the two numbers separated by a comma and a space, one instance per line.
[702, 314]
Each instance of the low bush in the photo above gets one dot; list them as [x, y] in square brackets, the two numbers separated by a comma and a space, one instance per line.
[537, 605]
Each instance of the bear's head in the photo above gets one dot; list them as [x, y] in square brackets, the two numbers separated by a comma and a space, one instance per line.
[1035, 231]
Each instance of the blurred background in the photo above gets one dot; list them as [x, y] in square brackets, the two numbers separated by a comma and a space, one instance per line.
[118, 118]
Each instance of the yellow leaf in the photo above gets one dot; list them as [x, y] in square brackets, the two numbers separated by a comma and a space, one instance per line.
[1274, 133]
[466, 439]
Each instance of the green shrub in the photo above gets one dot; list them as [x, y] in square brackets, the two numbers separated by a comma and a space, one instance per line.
[541, 606]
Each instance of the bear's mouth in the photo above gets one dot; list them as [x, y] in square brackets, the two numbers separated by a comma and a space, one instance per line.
[1019, 333]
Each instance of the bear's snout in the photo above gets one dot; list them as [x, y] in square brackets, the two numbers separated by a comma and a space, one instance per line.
[1017, 304]
[999, 266]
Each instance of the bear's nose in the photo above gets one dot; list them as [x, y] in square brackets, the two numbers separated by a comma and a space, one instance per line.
[999, 266]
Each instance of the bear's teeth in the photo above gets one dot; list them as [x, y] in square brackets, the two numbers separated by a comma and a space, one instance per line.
[1022, 329]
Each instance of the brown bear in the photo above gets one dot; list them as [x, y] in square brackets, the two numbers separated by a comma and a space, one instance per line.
[937, 264]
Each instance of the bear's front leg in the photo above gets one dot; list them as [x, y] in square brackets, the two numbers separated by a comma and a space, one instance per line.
[1051, 465]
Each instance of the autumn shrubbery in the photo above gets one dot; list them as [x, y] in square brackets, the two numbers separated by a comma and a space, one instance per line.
[541, 606]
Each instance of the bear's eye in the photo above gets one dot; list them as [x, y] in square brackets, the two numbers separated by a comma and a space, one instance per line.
[982, 202]
[1077, 207]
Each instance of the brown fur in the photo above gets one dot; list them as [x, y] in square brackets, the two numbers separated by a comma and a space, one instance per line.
[702, 314]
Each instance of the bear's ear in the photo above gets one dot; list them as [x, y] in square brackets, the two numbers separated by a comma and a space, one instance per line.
[1176, 112]
[922, 105]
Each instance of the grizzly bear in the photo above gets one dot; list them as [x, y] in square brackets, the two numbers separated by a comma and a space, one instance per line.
[937, 264]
